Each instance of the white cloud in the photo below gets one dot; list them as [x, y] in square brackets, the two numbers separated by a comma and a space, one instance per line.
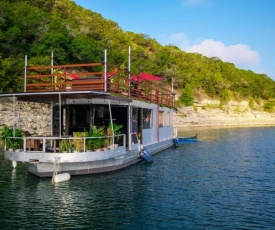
[239, 54]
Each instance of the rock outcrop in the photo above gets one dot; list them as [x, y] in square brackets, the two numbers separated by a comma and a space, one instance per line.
[208, 113]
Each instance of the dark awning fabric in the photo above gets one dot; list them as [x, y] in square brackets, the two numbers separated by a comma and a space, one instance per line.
[146, 76]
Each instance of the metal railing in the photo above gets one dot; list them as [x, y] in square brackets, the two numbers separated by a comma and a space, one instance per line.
[64, 144]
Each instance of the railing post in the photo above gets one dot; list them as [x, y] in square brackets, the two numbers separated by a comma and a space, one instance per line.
[105, 70]
[44, 145]
[25, 78]
[24, 144]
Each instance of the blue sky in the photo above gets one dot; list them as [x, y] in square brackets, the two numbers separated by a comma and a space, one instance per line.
[237, 31]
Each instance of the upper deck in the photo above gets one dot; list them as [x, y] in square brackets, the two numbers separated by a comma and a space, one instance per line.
[83, 77]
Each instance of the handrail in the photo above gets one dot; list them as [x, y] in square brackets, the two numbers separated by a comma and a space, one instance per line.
[44, 141]
[75, 77]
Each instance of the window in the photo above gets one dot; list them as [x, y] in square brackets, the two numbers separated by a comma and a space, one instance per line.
[168, 119]
[161, 118]
[147, 119]
[134, 119]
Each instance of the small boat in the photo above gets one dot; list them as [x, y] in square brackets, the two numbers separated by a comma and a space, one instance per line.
[100, 122]
[184, 140]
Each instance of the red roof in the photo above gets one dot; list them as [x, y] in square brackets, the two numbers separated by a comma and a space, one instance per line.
[146, 76]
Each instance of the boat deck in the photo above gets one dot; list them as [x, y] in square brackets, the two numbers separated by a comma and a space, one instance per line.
[83, 77]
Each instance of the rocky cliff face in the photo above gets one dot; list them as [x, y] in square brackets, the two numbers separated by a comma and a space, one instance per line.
[209, 113]
[32, 117]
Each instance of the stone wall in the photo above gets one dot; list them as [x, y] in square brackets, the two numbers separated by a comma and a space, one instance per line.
[29, 116]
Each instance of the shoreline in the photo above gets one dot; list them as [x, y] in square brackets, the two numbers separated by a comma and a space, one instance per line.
[218, 118]
[197, 128]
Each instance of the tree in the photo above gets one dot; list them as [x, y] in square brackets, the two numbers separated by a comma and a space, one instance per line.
[187, 97]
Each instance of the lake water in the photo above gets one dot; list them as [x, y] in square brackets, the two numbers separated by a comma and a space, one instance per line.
[226, 181]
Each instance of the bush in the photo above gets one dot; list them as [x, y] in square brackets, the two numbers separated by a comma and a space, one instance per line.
[269, 106]
[187, 97]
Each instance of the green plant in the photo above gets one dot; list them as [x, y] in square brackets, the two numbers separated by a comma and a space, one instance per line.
[187, 96]
[78, 143]
[251, 103]
[208, 106]
[116, 129]
[94, 139]
[269, 106]
[16, 143]
[225, 96]
[113, 131]
[12, 137]
[66, 145]
[6, 132]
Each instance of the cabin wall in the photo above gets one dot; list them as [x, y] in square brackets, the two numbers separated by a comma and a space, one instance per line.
[157, 133]
[166, 131]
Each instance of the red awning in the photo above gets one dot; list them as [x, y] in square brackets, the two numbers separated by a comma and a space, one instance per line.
[146, 76]
[74, 77]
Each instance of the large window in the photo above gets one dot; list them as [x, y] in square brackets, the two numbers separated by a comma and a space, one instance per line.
[147, 118]
[79, 118]
[101, 116]
[161, 118]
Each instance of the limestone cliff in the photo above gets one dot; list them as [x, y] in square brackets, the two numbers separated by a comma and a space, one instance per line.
[210, 113]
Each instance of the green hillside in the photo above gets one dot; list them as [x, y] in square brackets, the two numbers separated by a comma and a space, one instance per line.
[77, 35]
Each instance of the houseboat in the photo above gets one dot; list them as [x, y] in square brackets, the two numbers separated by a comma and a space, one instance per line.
[103, 119]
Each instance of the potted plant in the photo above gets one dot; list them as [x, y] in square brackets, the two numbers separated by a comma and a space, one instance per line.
[78, 143]
[12, 138]
[66, 145]
[18, 140]
[6, 132]
[94, 138]
[113, 132]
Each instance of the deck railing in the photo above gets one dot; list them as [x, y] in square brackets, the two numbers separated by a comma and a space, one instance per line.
[91, 77]
[54, 144]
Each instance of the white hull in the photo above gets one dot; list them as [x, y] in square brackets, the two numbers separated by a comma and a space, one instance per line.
[42, 164]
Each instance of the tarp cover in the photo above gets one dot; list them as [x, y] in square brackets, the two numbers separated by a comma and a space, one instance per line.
[146, 76]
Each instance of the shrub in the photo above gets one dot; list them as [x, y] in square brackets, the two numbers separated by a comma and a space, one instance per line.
[269, 106]
[187, 97]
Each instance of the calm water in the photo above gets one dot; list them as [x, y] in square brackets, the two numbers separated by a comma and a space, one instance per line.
[227, 181]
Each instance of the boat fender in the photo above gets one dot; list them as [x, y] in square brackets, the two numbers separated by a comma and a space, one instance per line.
[176, 142]
[14, 164]
[61, 177]
[146, 155]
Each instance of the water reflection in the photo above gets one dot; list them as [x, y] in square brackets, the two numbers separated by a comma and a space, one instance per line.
[225, 181]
